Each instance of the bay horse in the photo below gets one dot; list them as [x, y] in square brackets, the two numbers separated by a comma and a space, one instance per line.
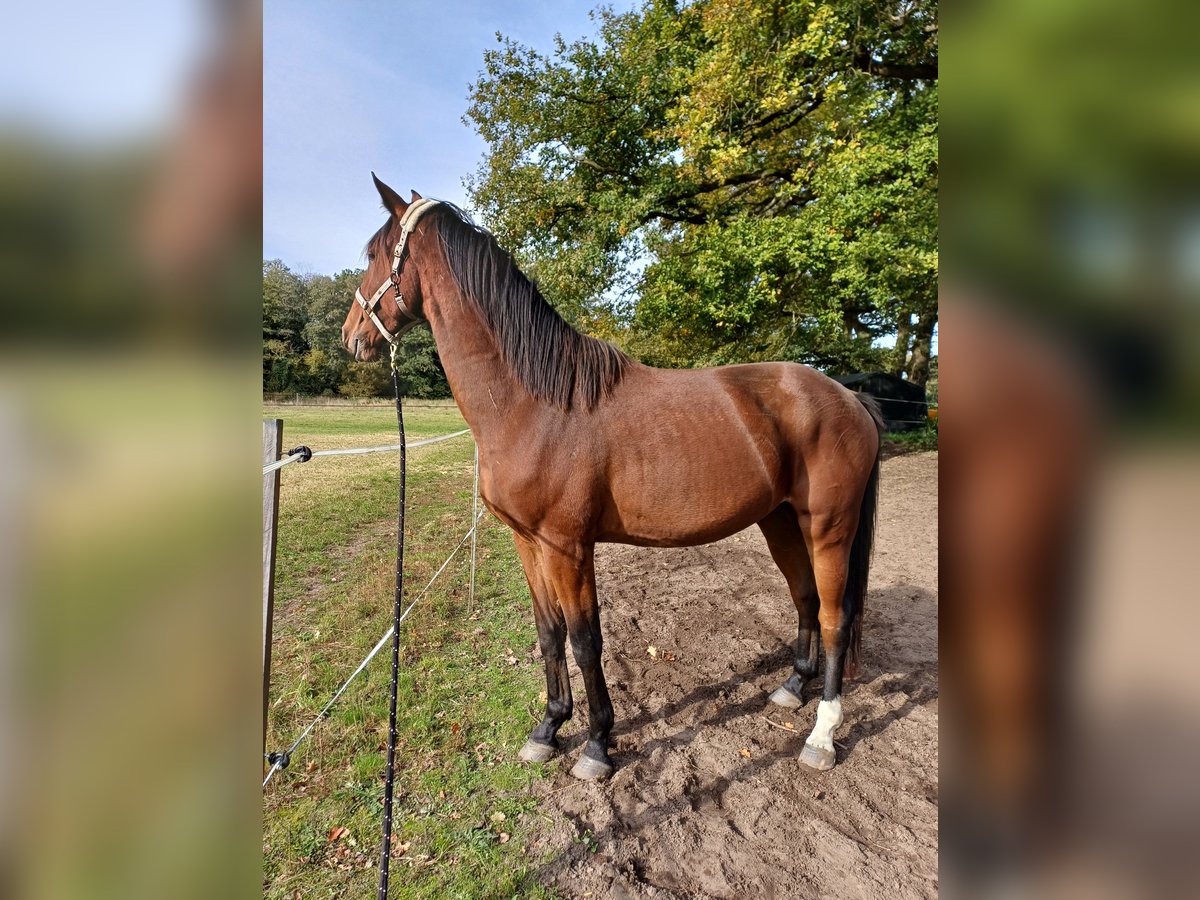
[580, 444]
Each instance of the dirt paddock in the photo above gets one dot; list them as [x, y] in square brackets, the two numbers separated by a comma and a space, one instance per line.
[709, 798]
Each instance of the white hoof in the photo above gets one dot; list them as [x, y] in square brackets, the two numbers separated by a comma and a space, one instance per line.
[818, 758]
[588, 769]
[536, 751]
[785, 698]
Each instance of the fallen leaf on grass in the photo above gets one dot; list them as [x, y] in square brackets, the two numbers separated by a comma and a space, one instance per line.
[504, 837]
[653, 651]
[337, 833]
[745, 752]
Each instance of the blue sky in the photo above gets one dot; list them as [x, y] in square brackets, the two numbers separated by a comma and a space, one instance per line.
[353, 87]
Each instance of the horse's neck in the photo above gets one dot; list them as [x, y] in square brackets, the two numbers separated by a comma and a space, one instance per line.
[484, 387]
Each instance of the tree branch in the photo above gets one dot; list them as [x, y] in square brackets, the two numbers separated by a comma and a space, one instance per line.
[927, 70]
[794, 113]
[679, 208]
[694, 218]
[707, 187]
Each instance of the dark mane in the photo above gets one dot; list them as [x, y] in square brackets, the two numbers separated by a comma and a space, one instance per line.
[551, 359]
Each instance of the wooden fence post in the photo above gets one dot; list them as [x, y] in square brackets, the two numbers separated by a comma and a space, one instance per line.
[272, 447]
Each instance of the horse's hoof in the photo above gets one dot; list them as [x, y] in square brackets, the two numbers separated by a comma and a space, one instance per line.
[785, 698]
[818, 757]
[588, 769]
[536, 751]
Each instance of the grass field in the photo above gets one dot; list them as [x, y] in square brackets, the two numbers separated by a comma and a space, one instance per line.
[469, 686]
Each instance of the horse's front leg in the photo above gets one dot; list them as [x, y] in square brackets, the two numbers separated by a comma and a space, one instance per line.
[572, 577]
[542, 743]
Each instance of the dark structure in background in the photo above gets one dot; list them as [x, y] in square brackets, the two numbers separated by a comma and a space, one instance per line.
[901, 402]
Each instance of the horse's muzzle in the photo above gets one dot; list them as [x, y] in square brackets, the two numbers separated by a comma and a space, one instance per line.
[361, 349]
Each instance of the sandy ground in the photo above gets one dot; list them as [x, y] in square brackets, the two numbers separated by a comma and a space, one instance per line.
[709, 798]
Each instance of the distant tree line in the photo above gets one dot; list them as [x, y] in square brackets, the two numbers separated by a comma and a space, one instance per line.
[302, 341]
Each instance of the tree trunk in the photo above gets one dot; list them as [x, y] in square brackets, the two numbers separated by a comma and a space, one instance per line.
[922, 348]
[903, 341]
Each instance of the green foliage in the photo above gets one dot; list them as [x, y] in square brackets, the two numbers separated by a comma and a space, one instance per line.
[302, 341]
[420, 368]
[772, 168]
[925, 438]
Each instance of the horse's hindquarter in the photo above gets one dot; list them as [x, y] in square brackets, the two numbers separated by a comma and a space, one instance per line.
[697, 455]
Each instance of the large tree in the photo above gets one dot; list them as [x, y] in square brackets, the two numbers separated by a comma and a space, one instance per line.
[726, 180]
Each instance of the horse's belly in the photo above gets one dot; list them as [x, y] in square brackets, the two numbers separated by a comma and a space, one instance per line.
[672, 512]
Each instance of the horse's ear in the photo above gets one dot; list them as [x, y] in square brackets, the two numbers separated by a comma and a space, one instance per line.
[391, 200]
[416, 197]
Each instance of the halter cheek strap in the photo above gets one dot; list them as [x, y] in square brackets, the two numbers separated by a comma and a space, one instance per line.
[370, 307]
[408, 223]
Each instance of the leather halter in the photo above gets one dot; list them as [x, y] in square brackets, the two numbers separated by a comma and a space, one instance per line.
[408, 222]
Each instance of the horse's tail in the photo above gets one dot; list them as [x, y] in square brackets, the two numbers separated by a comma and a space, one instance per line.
[855, 599]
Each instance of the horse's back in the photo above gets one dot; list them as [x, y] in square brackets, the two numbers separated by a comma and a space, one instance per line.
[776, 403]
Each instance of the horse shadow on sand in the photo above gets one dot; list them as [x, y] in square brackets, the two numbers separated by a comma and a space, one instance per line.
[704, 793]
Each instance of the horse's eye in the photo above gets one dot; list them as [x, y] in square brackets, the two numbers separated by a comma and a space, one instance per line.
[371, 257]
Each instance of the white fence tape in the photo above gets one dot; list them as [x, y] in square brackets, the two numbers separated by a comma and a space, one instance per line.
[357, 451]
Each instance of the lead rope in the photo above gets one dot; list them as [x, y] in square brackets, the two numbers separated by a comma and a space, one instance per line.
[474, 531]
[389, 779]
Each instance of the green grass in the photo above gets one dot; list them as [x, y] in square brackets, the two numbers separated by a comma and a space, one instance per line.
[925, 438]
[464, 708]
[326, 425]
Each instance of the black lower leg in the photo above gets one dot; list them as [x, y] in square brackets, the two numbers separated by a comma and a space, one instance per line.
[588, 645]
[805, 666]
[558, 685]
[835, 660]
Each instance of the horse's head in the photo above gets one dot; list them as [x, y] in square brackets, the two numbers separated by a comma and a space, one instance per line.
[388, 302]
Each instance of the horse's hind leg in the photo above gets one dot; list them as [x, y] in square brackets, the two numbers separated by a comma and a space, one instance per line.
[552, 633]
[786, 542]
[830, 570]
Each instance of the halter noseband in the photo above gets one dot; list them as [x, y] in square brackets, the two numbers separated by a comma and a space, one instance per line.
[408, 222]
